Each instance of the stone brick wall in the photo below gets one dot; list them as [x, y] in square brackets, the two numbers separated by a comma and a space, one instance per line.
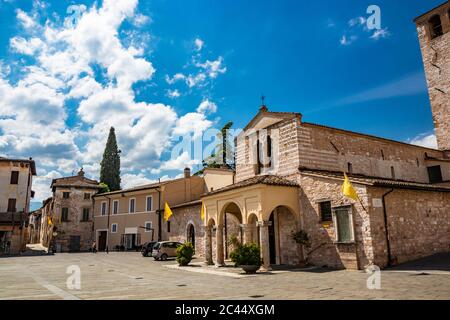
[179, 222]
[418, 224]
[323, 235]
[75, 226]
[436, 61]
[318, 147]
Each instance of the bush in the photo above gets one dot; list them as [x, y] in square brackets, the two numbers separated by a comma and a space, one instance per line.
[246, 255]
[185, 253]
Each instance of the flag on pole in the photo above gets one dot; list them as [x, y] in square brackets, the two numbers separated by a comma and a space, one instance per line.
[348, 190]
[202, 212]
[167, 212]
[49, 221]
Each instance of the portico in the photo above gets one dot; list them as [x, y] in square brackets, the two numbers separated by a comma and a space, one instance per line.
[262, 210]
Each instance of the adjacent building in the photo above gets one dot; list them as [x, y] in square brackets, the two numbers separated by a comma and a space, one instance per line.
[16, 177]
[67, 217]
[433, 29]
[127, 218]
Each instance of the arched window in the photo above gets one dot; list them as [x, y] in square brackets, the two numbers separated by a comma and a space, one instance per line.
[435, 26]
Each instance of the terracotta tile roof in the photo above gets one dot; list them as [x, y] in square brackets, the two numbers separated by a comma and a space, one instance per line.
[267, 180]
[29, 161]
[187, 204]
[75, 181]
[139, 188]
[375, 181]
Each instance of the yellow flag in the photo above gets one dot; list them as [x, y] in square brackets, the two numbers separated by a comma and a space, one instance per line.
[49, 221]
[348, 190]
[167, 212]
[202, 212]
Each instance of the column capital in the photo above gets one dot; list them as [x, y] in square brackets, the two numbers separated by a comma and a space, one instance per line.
[264, 223]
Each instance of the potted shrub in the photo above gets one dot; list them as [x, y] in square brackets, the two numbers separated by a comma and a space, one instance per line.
[185, 252]
[248, 257]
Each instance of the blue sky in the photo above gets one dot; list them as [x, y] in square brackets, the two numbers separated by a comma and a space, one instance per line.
[160, 69]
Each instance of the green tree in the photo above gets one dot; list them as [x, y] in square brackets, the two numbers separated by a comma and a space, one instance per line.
[110, 165]
[224, 156]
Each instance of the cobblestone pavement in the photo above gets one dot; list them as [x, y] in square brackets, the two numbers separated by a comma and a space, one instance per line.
[131, 276]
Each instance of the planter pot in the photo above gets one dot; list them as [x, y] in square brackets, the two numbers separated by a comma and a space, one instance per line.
[250, 269]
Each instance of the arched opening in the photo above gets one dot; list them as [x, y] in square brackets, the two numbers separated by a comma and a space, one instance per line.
[191, 234]
[282, 247]
[230, 220]
[435, 26]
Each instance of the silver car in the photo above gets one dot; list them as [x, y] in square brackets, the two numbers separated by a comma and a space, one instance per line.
[165, 249]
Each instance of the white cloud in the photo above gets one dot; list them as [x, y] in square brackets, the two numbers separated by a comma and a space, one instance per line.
[357, 21]
[347, 41]
[130, 180]
[141, 20]
[199, 43]
[207, 106]
[381, 33]
[173, 94]
[68, 57]
[425, 140]
[192, 122]
[213, 68]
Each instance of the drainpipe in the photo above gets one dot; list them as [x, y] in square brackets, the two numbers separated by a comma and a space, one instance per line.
[107, 227]
[386, 229]
[159, 212]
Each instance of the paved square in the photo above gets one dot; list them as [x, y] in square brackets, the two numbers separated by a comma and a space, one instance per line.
[131, 276]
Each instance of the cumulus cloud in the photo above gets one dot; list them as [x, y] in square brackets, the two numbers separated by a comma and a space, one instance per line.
[68, 57]
[207, 106]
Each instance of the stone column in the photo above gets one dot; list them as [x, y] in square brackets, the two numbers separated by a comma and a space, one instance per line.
[264, 238]
[220, 262]
[208, 245]
[247, 231]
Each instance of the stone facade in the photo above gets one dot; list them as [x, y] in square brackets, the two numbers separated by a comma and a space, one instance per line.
[436, 62]
[69, 213]
[183, 218]
[16, 181]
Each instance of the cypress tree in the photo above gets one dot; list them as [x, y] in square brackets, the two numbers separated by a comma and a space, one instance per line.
[110, 165]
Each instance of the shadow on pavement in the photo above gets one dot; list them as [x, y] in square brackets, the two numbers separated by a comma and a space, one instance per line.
[437, 262]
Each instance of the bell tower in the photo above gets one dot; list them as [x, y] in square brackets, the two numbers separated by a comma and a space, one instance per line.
[433, 28]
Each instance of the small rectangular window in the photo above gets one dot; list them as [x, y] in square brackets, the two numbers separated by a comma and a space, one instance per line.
[65, 214]
[325, 211]
[11, 205]
[435, 174]
[148, 226]
[132, 205]
[168, 226]
[14, 177]
[115, 206]
[114, 228]
[66, 195]
[85, 215]
[393, 172]
[87, 196]
[344, 225]
[149, 203]
[103, 209]
[349, 167]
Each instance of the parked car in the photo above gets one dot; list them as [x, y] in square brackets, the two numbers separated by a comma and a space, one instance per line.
[147, 248]
[165, 249]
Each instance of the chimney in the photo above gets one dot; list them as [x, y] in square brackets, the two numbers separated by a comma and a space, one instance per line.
[187, 172]
[81, 173]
